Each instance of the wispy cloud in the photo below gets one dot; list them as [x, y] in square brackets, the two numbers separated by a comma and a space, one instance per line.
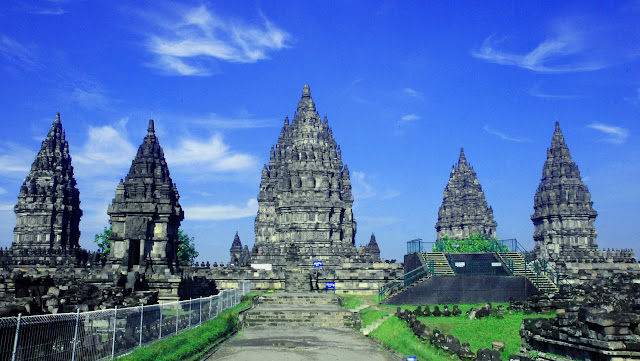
[635, 99]
[5, 207]
[2, 190]
[412, 93]
[504, 136]
[106, 149]
[362, 189]
[90, 98]
[536, 92]
[562, 52]
[220, 122]
[212, 154]
[15, 160]
[188, 44]
[221, 212]
[407, 119]
[17, 53]
[378, 221]
[613, 134]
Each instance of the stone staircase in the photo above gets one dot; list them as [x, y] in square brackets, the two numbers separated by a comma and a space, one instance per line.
[441, 264]
[296, 280]
[300, 309]
[521, 268]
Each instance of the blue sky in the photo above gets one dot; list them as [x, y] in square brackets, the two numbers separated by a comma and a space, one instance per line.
[403, 84]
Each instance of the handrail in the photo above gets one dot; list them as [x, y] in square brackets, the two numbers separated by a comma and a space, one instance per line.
[404, 280]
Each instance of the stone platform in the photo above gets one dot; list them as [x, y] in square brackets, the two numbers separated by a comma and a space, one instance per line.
[300, 309]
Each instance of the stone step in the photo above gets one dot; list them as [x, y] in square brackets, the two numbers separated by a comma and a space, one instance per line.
[318, 316]
[299, 299]
[367, 330]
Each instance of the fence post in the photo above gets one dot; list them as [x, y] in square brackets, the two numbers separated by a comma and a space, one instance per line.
[160, 333]
[210, 301]
[113, 345]
[75, 337]
[141, 319]
[15, 338]
[200, 310]
[190, 309]
[177, 315]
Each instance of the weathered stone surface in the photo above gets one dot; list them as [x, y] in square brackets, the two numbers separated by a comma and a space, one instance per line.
[563, 214]
[464, 210]
[236, 250]
[48, 209]
[564, 217]
[145, 213]
[305, 195]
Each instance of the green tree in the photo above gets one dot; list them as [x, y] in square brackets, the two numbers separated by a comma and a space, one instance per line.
[186, 249]
[475, 243]
[104, 245]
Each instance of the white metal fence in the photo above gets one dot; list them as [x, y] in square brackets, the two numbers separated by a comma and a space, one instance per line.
[106, 334]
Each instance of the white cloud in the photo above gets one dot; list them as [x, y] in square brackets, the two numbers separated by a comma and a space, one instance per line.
[15, 160]
[105, 146]
[613, 134]
[5, 207]
[17, 53]
[407, 119]
[503, 136]
[221, 212]
[562, 52]
[362, 189]
[2, 190]
[220, 122]
[188, 44]
[212, 154]
[536, 92]
[378, 221]
[412, 93]
[91, 98]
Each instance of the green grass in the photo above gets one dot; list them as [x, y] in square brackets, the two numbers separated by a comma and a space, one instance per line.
[395, 334]
[352, 301]
[480, 333]
[192, 344]
[370, 315]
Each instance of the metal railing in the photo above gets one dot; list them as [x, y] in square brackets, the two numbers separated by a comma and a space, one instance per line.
[106, 334]
[405, 280]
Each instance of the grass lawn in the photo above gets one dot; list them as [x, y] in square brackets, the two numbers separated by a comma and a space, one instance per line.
[395, 334]
[352, 301]
[192, 344]
[480, 333]
[370, 315]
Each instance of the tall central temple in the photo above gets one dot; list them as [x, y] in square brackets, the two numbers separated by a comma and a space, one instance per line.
[305, 195]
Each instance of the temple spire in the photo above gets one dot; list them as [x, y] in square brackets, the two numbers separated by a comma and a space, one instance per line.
[48, 210]
[151, 129]
[462, 159]
[306, 104]
[464, 210]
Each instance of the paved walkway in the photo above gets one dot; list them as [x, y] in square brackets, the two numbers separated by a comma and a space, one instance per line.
[300, 343]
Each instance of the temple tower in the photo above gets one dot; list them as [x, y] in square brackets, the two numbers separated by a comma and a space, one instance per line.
[464, 210]
[305, 200]
[236, 250]
[563, 214]
[48, 209]
[145, 213]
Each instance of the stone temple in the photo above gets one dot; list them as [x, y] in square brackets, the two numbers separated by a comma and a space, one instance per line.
[48, 210]
[563, 219]
[305, 200]
[464, 210]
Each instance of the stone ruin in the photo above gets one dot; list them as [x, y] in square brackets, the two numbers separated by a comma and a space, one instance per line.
[601, 322]
[305, 215]
[46, 271]
[48, 209]
[464, 210]
[563, 219]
